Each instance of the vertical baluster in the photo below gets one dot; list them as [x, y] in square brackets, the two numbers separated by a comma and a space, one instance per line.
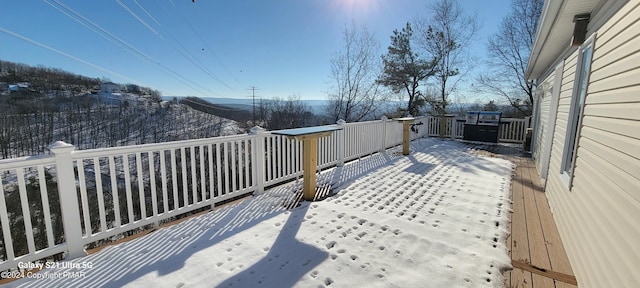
[281, 157]
[232, 152]
[98, 175]
[174, 179]
[240, 166]
[26, 213]
[203, 182]
[83, 197]
[267, 160]
[211, 170]
[185, 182]
[247, 151]
[4, 220]
[152, 183]
[114, 191]
[163, 171]
[194, 175]
[298, 156]
[141, 196]
[219, 169]
[46, 208]
[127, 184]
[226, 156]
[287, 156]
[322, 156]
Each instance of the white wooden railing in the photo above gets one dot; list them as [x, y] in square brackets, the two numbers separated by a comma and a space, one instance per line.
[61, 202]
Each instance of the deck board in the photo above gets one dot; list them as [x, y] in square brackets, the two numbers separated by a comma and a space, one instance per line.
[534, 243]
[538, 253]
[519, 237]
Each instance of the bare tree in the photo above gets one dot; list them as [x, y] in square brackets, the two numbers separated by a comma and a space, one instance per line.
[446, 36]
[354, 70]
[508, 51]
[405, 70]
[285, 114]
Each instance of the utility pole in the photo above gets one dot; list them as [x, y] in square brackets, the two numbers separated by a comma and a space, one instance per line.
[253, 94]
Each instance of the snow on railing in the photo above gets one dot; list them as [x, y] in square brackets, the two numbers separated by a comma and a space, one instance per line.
[64, 201]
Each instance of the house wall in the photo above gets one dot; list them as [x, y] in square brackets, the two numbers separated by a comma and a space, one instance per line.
[544, 98]
[599, 216]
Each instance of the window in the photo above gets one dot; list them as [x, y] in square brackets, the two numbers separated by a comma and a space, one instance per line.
[576, 109]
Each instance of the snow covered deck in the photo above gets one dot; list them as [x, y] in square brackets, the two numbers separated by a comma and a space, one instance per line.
[435, 218]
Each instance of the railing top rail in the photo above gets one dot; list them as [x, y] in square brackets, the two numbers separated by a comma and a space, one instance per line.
[26, 161]
[157, 146]
[365, 122]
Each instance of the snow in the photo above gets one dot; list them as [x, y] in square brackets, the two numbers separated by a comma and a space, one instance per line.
[434, 218]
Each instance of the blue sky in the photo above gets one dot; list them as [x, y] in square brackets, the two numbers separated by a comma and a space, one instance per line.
[208, 48]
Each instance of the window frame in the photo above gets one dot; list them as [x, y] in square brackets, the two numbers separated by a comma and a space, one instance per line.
[576, 109]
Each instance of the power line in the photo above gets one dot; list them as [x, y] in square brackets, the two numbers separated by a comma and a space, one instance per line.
[189, 56]
[122, 44]
[24, 38]
[186, 20]
[147, 12]
[137, 17]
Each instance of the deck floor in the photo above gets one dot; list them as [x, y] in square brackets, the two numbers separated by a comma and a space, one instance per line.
[534, 244]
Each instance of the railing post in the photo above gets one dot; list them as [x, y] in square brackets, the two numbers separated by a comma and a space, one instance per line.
[68, 199]
[258, 157]
[384, 133]
[341, 142]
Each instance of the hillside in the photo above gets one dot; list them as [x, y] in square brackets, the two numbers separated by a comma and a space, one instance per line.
[42, 105]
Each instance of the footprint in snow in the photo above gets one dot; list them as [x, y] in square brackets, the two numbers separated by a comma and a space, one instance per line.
[328, 281]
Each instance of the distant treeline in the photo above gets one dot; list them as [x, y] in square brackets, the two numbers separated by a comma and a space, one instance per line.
[42, 78]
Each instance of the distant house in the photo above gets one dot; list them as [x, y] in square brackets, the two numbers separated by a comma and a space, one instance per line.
[586, 63]
[110, 87]
[22, 86]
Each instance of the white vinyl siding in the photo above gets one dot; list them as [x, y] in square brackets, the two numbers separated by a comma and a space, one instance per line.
[546, 122]
[544, 99]
[598, 218]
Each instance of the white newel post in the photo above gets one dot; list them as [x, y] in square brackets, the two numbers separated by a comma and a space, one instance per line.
[341, 142]
[258, 157]
[384, 133]
[68, 199]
